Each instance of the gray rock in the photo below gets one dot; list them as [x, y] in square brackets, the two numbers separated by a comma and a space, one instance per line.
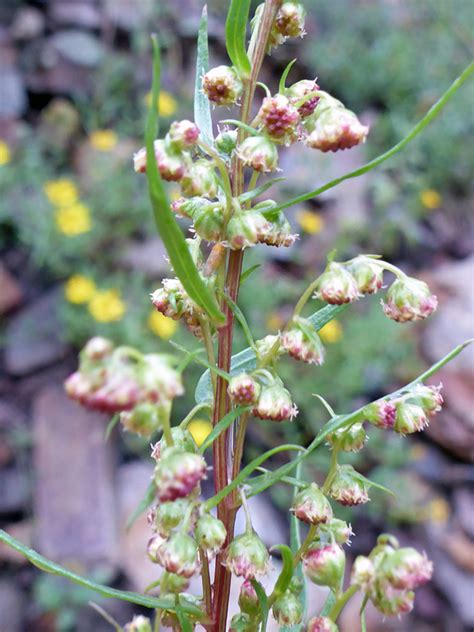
[67, 12]
[82, 49]
[148, 257]
[11, 607]
[34, 337]
[74, 495]
[13, 96]
[464, 509]
[15, 490]
[27, 24]
[128, 14]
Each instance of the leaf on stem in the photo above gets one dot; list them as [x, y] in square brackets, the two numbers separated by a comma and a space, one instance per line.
[250, 195]
[221, 426]
[202, 107]
[241, 318]
[284, 76]
[235, 36]
[263, 603]
[245, 275]
[286, 573]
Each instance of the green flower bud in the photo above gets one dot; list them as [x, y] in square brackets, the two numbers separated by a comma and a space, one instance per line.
[200, 179]
[138, 624]
[179, 555]
[222, 85]
[210, 534]
[363, 572]
[226, 141]
[410, 418]
[348, 487]
[183, 134]
[209, 222]
[311, 505]
[428, 397]
[408, 300]
[248, 599]
[349, 439]
[241, 622]
[337, 285]
[382, 414]
[302, 342]
[173, 584]
[258, 152]
[168, 516]
[182, 439]
[172, 164]
[275, 403]
[144, 419]
[335, 531]
[333, 127]
[153, 545]
[405, 569]
[367, 273]
[288, 609]
[246, 228]
[247, 556]
[324, 564]
[279, 233]
[289, 20]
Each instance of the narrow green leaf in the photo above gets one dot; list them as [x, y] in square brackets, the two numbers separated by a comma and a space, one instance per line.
[143, 505]
[419, 127]
[202, 106]
[246, 360]
[235, 35]
[184, 622]
[245, 275]
[250, 195]
[241, 318]
[286, 573]
[284, 76]
[195, 358]
[165, 603]
[370, 483]
[111, 425]
[263, 603]
[250, 130]
[221, 426]
[168, 228]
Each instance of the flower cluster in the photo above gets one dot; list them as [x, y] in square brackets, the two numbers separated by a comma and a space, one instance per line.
[72, 216]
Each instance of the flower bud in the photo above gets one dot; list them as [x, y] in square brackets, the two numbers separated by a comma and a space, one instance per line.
[177, 474]
[267, 344]
[297, 93]
[244, 390]
[348, 487]
[246, 228]
[210, 534]
[391, 602]
[367, 274]
[171, 163]
[382, 414]
[173, 584]
[337, 285]
[333, 127]
[182, 439]
[321, 624]
[302, 342]
[258, 152]
[183, 134]
[97, 348]
[179, 207]
[275, 403]
[208, 220]
[279, 234]
[311, 505]
[200, 179]
[179, 555]
[138, 624]
[335, 530]
[288, 609]
[153, 545]
[289, 21]
[409, 299]
[429, 398]
[168, 516]
[350, 439]
[324, 564]
[241, 622]
[222, 85]
[410, 418]
[279, 119]
[406, 568]
[363, 572]
[226, 141]
[144, 419]
[173, 301]
[247, 556]
[248, 599]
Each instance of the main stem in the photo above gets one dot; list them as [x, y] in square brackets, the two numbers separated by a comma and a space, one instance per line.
[222, 578]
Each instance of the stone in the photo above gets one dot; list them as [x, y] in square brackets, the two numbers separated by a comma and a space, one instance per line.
[28, 23]
[10, 291]
[78, 47]
[128, 14]
[13, 102]
[75, 512]
[70, 13]
[464, 509]
[15, 490]
[148, 257]
[12, 607]
[34, 338]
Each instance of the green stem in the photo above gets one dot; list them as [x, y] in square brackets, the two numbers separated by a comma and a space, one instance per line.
[192, 412]
[332, 471]
[304, 547]
[167, 430]
[341, 602]
[221, 166]
[305, 298]
[207, 338]
[206, 581]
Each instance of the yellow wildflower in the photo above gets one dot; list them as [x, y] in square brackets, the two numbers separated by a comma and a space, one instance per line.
[61, 192]
[331, 332]
[200, 430]
[161, 325]
[79, 289]
[5, 153]
[73, 220]
[439, 510]
[167, 104]
[430, 199]
[311, 223]
[274, 321]
[103, 139]
[107, 306]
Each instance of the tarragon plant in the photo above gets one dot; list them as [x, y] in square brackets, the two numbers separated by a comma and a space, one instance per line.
[224, 184]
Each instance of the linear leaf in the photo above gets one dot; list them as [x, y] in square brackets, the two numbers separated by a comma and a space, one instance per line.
[429, 116]
[143, 505]
[250, 195]
[246, 360]
[286, 573]
[245, 275]
[222, 425]
[165, 603]
[263, 603]
[235, 35]
[168, 228]
[202, 107]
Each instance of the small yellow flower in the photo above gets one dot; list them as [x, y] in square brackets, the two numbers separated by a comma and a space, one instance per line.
[107, 306]
[439, 510]
[161, 325]
[274, 321]
[5, 153]
[73, 220]
[103, 139]
[167, 104]
[311, 223]
[200, 430]
[79, 289]
[331, 332]
[61, 192]
[430, 199]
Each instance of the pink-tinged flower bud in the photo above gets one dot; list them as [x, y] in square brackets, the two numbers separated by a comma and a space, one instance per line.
[173, 301]
[209, 221]
[248, 599]
[391, 602]
[183, 134]
[429, 398]
[324, 564]
[177, 474]
[168, 516]
[275, 403]
[138, 624]
[200, 179]
[210, 534]
[279, 233]
[288, 609]
[279, 119]
[172, 584]
[226, 141]
[332, 127]
[302, 342]
[289, 21]
[258, 152]
[153, 545]
[241, 622]
[367, 273]
[222, 85]
[337, 286]
[244, 390]
[336, 531]
[179, 207]
[298, 95]
[363, 572]
[409, 299]
[382, 414]
[171, 164]
[97, 348]
[348, 487]
[179, 555]
[144, 419]
[311, 505]
[321, 624]
[410, 418]
[349, 439]
[267, 345]
[247, 556]
[406, 568]
[160, 382]
[245, 229]
[182, 439]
